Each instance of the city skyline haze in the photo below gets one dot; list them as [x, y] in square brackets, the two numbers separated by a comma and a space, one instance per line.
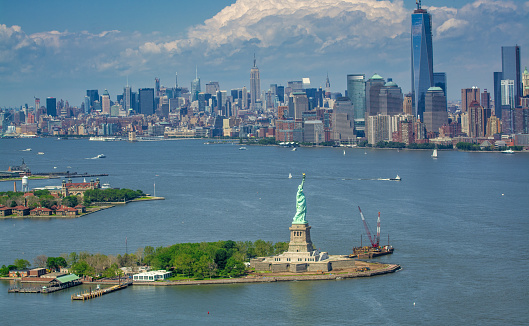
[54, 50]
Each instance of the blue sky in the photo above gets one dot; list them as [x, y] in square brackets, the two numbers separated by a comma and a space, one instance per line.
[62, 48]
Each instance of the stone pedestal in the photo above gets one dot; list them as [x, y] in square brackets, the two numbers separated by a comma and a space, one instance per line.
[300, 238]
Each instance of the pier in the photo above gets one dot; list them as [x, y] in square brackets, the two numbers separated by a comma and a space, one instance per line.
[60, 283]
[99, 292]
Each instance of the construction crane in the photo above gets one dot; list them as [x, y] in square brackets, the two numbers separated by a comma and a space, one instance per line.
[374, 244]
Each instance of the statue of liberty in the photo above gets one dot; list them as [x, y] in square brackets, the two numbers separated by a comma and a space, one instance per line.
[301, 205]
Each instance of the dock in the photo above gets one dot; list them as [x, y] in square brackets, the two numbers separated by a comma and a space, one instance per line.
[58, 286]
[99, 292]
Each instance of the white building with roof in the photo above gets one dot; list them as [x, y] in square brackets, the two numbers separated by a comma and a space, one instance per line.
[152, 276]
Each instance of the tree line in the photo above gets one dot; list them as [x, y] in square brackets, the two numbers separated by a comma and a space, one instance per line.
[185, 260]
[111, 195]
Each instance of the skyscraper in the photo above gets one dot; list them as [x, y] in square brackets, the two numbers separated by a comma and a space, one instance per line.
[421, 57]
[356, 91]
[435, 114]
[127, 99]
[525, 83]
[195, 86]
[146, 101]
[51, 106]
[255, 86]
[468, 95]
[510, 66]
[93, 95]
[497, 93]
[105, 102]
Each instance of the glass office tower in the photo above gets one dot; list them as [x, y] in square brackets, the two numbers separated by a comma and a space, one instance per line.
[421, 57]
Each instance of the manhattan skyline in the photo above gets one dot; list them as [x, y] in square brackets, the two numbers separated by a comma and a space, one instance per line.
[75, 51]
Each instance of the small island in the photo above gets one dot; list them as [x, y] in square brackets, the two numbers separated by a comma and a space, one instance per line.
[68, 200]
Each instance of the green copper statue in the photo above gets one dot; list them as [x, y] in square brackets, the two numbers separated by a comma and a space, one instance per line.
[301, 205]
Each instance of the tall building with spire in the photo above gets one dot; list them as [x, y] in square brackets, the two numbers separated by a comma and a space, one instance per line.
[195, 86]
[421, 57]
[255, 86]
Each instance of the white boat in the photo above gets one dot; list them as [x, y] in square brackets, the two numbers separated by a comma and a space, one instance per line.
[242, 148]
[294, 149]
[40, 153]
[105, 186]
[344, 152]
[290, 175]
[397, 178]
[26, 150]
[508, 151]
[434, 154]
[101, 156]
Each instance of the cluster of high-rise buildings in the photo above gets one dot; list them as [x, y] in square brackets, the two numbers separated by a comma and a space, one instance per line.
[372, 109]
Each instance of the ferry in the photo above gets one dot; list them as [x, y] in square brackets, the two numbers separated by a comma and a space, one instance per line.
[101, 138]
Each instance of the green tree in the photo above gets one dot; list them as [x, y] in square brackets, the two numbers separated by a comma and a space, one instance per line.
[70, 201]
[234, 267]
[82, 269]
[21, 264]
[4, 271]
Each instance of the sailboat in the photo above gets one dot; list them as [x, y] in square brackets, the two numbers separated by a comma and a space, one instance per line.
[290, 175]
[434, 154]
[344, 152]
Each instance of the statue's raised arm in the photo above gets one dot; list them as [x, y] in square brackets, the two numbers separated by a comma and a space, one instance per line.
[301, 205]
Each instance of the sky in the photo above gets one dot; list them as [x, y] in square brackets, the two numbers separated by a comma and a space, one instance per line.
[60, 48]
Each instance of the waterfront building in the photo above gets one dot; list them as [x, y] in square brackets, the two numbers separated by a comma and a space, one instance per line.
[493, 126]
[301, 255]
[342, 121]
[152, 276]
[510, 68]
[421, 57]
[51, 106]
[146, 101]
[255, 86]
[435, 114]
[476, 120]
[313, 132]
[469, 95]
[377, 128]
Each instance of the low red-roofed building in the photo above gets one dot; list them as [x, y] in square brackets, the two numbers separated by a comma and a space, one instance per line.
[81, 209]
[41, 211]
[66, 211]
[21, 210]
[5, 211]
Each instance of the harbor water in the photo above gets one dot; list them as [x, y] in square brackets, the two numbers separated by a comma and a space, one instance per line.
[459, 223]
